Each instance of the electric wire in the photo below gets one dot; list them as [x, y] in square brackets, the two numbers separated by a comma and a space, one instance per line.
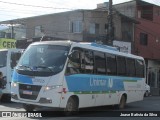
[27, 5]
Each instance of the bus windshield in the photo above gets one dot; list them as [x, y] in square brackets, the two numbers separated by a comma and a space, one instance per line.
[3, 58]
[43, 59]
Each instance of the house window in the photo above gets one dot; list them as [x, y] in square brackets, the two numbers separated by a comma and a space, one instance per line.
[147, 13]
[157, 13]
[94, 28]
[39, 30]
[126, 31]
[20, 31]
[77, 26]
[139, 13]
[143, 39]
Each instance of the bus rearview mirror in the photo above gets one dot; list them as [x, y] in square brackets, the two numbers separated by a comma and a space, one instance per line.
[73, 56]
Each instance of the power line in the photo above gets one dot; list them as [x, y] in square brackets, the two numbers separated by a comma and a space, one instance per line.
[11, 10]
[33, 5]
[17, 11]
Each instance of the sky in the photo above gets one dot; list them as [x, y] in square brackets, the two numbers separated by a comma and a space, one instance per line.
[13, 9]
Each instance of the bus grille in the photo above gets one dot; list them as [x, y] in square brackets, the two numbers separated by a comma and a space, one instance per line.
[29, 91]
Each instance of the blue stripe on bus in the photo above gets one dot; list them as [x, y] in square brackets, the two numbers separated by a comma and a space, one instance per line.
[21, 78]
[84, 82]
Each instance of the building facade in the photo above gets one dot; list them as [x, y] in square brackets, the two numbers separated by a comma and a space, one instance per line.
[124, 27]
[87, 25]
[80, 25]
[146, 37]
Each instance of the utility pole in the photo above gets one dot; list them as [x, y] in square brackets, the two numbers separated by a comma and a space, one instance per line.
[12, 29]
[110, 25]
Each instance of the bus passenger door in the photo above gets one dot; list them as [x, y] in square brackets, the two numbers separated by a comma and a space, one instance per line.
[12, 60]
[78, 74]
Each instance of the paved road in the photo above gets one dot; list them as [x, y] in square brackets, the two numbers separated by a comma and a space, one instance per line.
[149, 105]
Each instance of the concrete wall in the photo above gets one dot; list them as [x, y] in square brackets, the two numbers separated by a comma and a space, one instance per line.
[56, 25]
[127, 8]
[59, 25]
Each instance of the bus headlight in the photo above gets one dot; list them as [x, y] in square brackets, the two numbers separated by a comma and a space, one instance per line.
[14, 84]
[51, 87]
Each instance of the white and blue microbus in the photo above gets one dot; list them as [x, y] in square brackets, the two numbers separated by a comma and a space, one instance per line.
[73, 75]
[8, 60]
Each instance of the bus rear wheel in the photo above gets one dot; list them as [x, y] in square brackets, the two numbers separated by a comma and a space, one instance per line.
[28, 107]
[71, 107]
[122, 102]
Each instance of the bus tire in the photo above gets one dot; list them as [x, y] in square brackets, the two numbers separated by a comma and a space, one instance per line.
[28, 107]
[6, 98]
[72, 106]
[122, 102]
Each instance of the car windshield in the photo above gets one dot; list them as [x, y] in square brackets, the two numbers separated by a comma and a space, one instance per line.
[43, 58]
[3, 58]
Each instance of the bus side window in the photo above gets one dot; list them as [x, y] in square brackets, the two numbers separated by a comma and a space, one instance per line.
[88, 61]
[3, 58]
[111, 64]
[14, 59]
[121, 65]
[139, 68]
[130, 64]
[74, 62]
[100, 63]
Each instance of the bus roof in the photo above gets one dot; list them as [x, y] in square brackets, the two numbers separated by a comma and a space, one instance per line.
[106, 49]
[64, 43]
[91, 46]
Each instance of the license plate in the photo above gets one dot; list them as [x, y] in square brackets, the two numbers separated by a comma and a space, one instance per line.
[27, 92]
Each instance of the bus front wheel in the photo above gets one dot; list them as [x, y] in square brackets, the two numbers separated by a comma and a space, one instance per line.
[5, 98]
[28, 107]
[72, 106]
[122, 102]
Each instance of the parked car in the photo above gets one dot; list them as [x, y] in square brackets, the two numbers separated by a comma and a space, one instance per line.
[148, 92]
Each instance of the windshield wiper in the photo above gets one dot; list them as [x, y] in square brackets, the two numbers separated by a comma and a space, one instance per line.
[44, 67]
[26, 67]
